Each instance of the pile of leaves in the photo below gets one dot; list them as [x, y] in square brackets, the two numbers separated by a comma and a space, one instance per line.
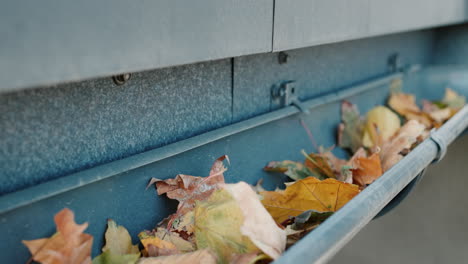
[237, 223]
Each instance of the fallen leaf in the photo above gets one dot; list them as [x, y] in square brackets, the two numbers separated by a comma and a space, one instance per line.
[119, 247]
[190, 189]
[308, 194]
[350, 131]
[453, 100]
[202, 256]
[405, 105]
[162, 238]
[294, 170]
[108, 258]
[438, 115]
[250, 258]
[118, 240]
[68, 246]
[233, 221]
[366, 169]
[320, 164]
[381, 124]
[404, 139]
[258, 224]
[309, 218]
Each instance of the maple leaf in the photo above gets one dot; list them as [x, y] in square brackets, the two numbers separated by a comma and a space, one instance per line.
[365, 169]
[381, 124]
[294, 170]
[405, 105]
[408, 134]
[233, 221]
[351, 129]
[119, 248]
[68, 246]
[202, 256]
[308, 194]
[189, 189]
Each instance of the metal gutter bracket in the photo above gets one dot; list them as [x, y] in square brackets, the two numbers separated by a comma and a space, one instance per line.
[287, 95]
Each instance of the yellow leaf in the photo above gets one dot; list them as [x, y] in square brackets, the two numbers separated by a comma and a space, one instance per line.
[381, 124]
[233, 222]
[118, 240]
[308, 194]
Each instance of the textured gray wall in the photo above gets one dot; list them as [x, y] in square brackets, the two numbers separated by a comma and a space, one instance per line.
[429, 227]
[50, 132]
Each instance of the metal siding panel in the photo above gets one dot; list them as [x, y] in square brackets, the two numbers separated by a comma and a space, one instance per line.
[305, 23]
[402, 15]
[55, 131]
[321, 69]
[49, 41]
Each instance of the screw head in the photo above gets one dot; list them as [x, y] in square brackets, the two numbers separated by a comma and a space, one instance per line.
[283, 57]
[121, 78]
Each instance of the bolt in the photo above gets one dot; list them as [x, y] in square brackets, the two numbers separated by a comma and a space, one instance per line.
[283, 57]
[121, 78]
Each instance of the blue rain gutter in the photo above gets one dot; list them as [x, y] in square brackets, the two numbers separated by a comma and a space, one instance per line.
[327, 239]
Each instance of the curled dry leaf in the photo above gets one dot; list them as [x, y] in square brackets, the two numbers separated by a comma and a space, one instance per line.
[391, 150]
[202, 256]
[320, 164]
[438, 115]
[119, 248]
[294, 170]
[366, 169]
[405, 105]
[233, 221]
[351, 129]
[308, 194]
[164, 240]
[189, 189]
[69, 245]
[381, 124]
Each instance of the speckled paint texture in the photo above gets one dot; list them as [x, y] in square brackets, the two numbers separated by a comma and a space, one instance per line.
[321, 69]
[49, 132]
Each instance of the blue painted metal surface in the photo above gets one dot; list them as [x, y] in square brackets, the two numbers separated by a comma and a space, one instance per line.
[123, 198]
[50, 132]
[322, 69]
[48, 42]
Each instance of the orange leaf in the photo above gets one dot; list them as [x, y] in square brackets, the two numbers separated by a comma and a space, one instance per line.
[308, 194]
[366, 169]
[69, 245]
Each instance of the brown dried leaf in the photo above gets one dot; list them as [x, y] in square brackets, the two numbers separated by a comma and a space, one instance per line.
[404, 139]
[190, 189]
[68, 246]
